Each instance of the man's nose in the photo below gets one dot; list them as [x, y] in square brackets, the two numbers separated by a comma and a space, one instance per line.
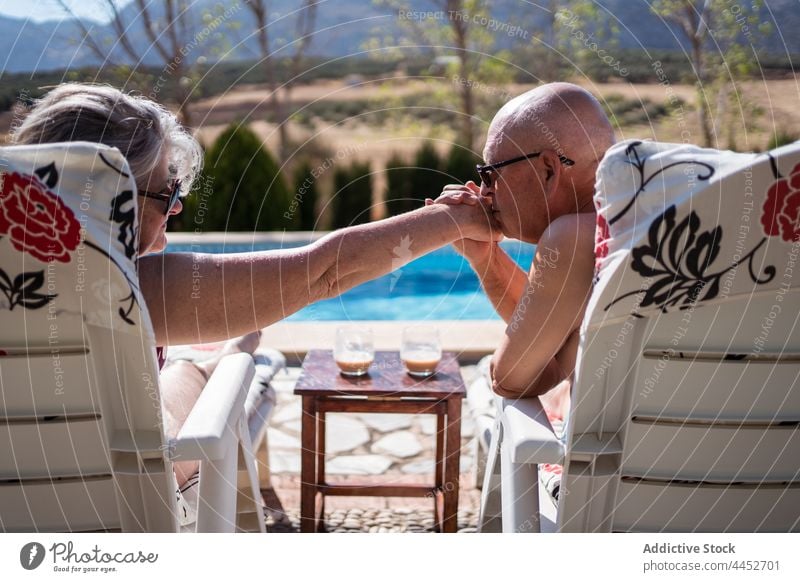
[487, 190]
[177, 208]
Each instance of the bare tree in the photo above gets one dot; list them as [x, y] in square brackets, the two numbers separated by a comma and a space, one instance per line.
[304, 30]
[169, 38]
[719, 57]
[458, 20]
[692, 18]
[457, 29]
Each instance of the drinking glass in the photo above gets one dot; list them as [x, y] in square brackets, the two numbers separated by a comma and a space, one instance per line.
[354, 350]
[421, 350]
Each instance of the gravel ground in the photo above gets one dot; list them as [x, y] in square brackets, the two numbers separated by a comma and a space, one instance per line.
[357, 520]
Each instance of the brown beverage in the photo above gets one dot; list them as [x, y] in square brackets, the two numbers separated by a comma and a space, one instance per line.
[421, 362]
[353, 363]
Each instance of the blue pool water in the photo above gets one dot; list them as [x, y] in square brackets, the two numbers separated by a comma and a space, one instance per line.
[440, 285]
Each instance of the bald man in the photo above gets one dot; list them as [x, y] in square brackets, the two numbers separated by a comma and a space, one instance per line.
[542, 152]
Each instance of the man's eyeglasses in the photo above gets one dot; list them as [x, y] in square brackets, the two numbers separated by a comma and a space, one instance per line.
[487, 172]
[169, 196]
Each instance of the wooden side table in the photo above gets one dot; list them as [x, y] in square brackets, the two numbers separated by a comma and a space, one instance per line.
[386, 388]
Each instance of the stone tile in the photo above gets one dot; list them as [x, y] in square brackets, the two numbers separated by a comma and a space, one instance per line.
[285, 398]
[468, 373]
[426, 466]
[467, 426]
[284, 462]
[290, 372]
[401, 444]
[419, 467]
[427, 424]
[285, 389]
[293, 426]
[358, 465]
[344, 433]
[291, 411]
[387, 422]
[280, 440]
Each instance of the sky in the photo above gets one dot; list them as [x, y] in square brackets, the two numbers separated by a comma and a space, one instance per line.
[41, 10]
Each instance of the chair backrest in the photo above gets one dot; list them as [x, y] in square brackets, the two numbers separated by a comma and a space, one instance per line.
[81, 434]
[686, 403]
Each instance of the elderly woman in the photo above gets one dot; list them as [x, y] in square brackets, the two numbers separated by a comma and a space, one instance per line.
[239, 293]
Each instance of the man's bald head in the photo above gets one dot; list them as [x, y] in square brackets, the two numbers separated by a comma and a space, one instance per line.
[559, 116]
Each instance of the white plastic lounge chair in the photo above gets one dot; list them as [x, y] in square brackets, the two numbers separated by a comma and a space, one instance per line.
[686, 402]
[258, 406]
[82, 446]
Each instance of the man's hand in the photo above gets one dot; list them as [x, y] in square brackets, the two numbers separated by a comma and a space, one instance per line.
[473, 249]
[473, 214]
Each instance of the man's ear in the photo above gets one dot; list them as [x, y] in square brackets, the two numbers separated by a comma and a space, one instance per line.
[553, 167]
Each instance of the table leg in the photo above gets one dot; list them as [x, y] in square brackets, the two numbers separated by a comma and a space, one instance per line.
[320, 524]
[451, 466]
[439, 470]
[308, 477]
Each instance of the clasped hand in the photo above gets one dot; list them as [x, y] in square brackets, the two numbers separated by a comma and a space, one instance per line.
[468, 195]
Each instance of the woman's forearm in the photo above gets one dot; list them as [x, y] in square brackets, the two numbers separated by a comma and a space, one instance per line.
[201, 297]
[351, 256]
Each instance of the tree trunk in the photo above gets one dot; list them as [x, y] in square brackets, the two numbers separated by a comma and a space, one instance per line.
[703, 109]
[259, 11]
[185, 114]
[467, 105]
[467, 108]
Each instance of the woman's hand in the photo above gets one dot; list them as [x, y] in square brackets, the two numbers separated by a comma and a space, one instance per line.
[473, 248]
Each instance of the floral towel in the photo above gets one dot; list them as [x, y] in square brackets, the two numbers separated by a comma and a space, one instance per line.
[690, 225]
[70, 203]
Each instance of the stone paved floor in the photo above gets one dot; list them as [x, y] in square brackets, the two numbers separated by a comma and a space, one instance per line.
[384, 447]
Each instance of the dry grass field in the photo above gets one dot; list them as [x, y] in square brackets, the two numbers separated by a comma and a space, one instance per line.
[777, 100]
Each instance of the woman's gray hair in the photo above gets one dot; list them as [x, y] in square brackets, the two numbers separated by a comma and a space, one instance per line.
[138, 127]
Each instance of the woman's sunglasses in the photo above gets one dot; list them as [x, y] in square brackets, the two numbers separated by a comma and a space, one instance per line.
[169, 196]
[487, 172]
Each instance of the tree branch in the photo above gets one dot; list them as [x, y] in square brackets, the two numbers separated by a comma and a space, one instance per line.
[88, 39]
[151, 35]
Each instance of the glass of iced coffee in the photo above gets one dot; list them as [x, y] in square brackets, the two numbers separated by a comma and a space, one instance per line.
[354, 350]
[421, 350]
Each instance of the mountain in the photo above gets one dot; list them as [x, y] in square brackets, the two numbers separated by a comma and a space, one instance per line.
[343, 27]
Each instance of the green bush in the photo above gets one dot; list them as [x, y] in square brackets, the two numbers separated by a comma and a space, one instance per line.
[398, 186]
[352, 195]
[306, 196]
[242, 188]
[459, 166]
[427, 179]
[408, 184]
[781, 138]
[623, 111]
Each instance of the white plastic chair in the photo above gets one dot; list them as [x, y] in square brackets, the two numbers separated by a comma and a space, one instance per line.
[82, 445]
[686, 401]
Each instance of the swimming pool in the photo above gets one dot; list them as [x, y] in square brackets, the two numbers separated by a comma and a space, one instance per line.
[440, 285]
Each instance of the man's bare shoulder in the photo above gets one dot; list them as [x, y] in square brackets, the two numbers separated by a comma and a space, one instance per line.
[571, 239]
[571, 229]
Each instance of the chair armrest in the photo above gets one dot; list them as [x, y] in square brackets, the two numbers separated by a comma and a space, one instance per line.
[219, 408]
[528, 432]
